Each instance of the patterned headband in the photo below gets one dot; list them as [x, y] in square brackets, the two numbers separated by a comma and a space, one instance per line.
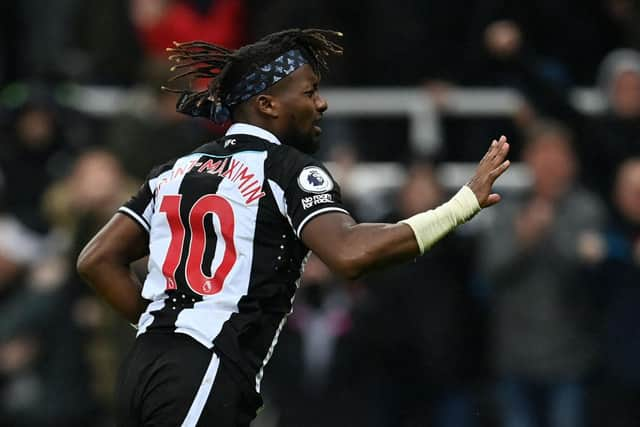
[258, 80]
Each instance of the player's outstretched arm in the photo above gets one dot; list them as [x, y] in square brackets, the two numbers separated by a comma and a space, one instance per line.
[105, 261]
[352, 249]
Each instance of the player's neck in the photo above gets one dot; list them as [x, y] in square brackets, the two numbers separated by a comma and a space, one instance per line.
[262, 124]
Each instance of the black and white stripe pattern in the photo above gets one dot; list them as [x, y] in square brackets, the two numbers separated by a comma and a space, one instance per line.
[269, 203]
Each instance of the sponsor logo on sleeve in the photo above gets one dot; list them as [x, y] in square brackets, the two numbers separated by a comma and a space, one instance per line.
[318, 199]
[313, 179]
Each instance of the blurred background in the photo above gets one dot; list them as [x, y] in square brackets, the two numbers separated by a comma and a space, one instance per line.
[528, 316]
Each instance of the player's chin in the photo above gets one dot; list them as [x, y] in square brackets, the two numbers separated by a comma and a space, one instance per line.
[311, 144]
[307, 141]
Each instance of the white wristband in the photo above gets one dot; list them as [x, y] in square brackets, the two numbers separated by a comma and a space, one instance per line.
[433, 225]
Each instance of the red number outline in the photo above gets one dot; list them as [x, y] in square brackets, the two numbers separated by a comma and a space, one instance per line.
[195, 278]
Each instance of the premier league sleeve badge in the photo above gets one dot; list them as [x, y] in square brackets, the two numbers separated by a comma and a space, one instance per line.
[314, 179]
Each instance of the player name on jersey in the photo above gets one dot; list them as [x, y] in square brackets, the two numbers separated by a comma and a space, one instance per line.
[229, 168]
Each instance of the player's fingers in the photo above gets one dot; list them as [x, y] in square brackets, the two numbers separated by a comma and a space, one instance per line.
[501, 154]
[500, 143]
[490, 151]
[494, 174]
[494, 151]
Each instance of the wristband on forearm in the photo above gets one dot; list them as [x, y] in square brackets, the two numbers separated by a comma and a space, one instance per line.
[433, 225]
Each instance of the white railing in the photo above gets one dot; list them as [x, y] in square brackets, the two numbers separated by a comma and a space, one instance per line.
[425, 133]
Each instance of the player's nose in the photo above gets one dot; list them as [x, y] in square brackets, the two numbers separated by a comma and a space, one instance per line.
[321, 104]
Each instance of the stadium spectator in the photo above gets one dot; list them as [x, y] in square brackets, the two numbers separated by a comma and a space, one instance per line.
[616, 136]
[34, 152]
[588, 33]
[425, 371]
[101, 46]
[76, 206]
[542, 343]
[161, 22]
[617, 250]
[44, 379]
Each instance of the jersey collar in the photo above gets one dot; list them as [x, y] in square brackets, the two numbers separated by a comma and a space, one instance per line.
[247, 129]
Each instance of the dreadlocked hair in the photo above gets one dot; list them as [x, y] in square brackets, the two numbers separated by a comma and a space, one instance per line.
[225, 67]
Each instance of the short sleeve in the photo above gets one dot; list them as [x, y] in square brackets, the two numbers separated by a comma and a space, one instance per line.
[311, 193]
[140, 206]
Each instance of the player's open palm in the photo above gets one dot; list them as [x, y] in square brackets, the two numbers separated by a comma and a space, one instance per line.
[493, 164]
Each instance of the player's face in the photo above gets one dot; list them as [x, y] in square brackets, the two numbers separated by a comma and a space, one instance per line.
[301, 109]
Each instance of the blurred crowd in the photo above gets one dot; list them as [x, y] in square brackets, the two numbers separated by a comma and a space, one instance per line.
[528, 317]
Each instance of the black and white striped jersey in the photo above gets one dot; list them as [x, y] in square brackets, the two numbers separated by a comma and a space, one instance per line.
[225, 255]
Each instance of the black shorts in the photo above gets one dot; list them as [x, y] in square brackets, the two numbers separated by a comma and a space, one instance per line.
[171, 380]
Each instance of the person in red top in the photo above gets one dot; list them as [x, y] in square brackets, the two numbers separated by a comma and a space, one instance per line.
[160, 22]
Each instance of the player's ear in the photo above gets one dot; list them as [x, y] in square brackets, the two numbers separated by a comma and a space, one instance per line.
[268, 105]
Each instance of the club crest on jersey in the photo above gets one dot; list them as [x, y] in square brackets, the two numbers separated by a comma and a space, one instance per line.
[314, 180]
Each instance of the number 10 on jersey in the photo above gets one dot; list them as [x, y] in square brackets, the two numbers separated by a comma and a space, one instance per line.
[194, 277]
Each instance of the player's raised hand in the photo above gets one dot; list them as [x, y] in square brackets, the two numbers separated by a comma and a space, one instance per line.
[492, 165]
